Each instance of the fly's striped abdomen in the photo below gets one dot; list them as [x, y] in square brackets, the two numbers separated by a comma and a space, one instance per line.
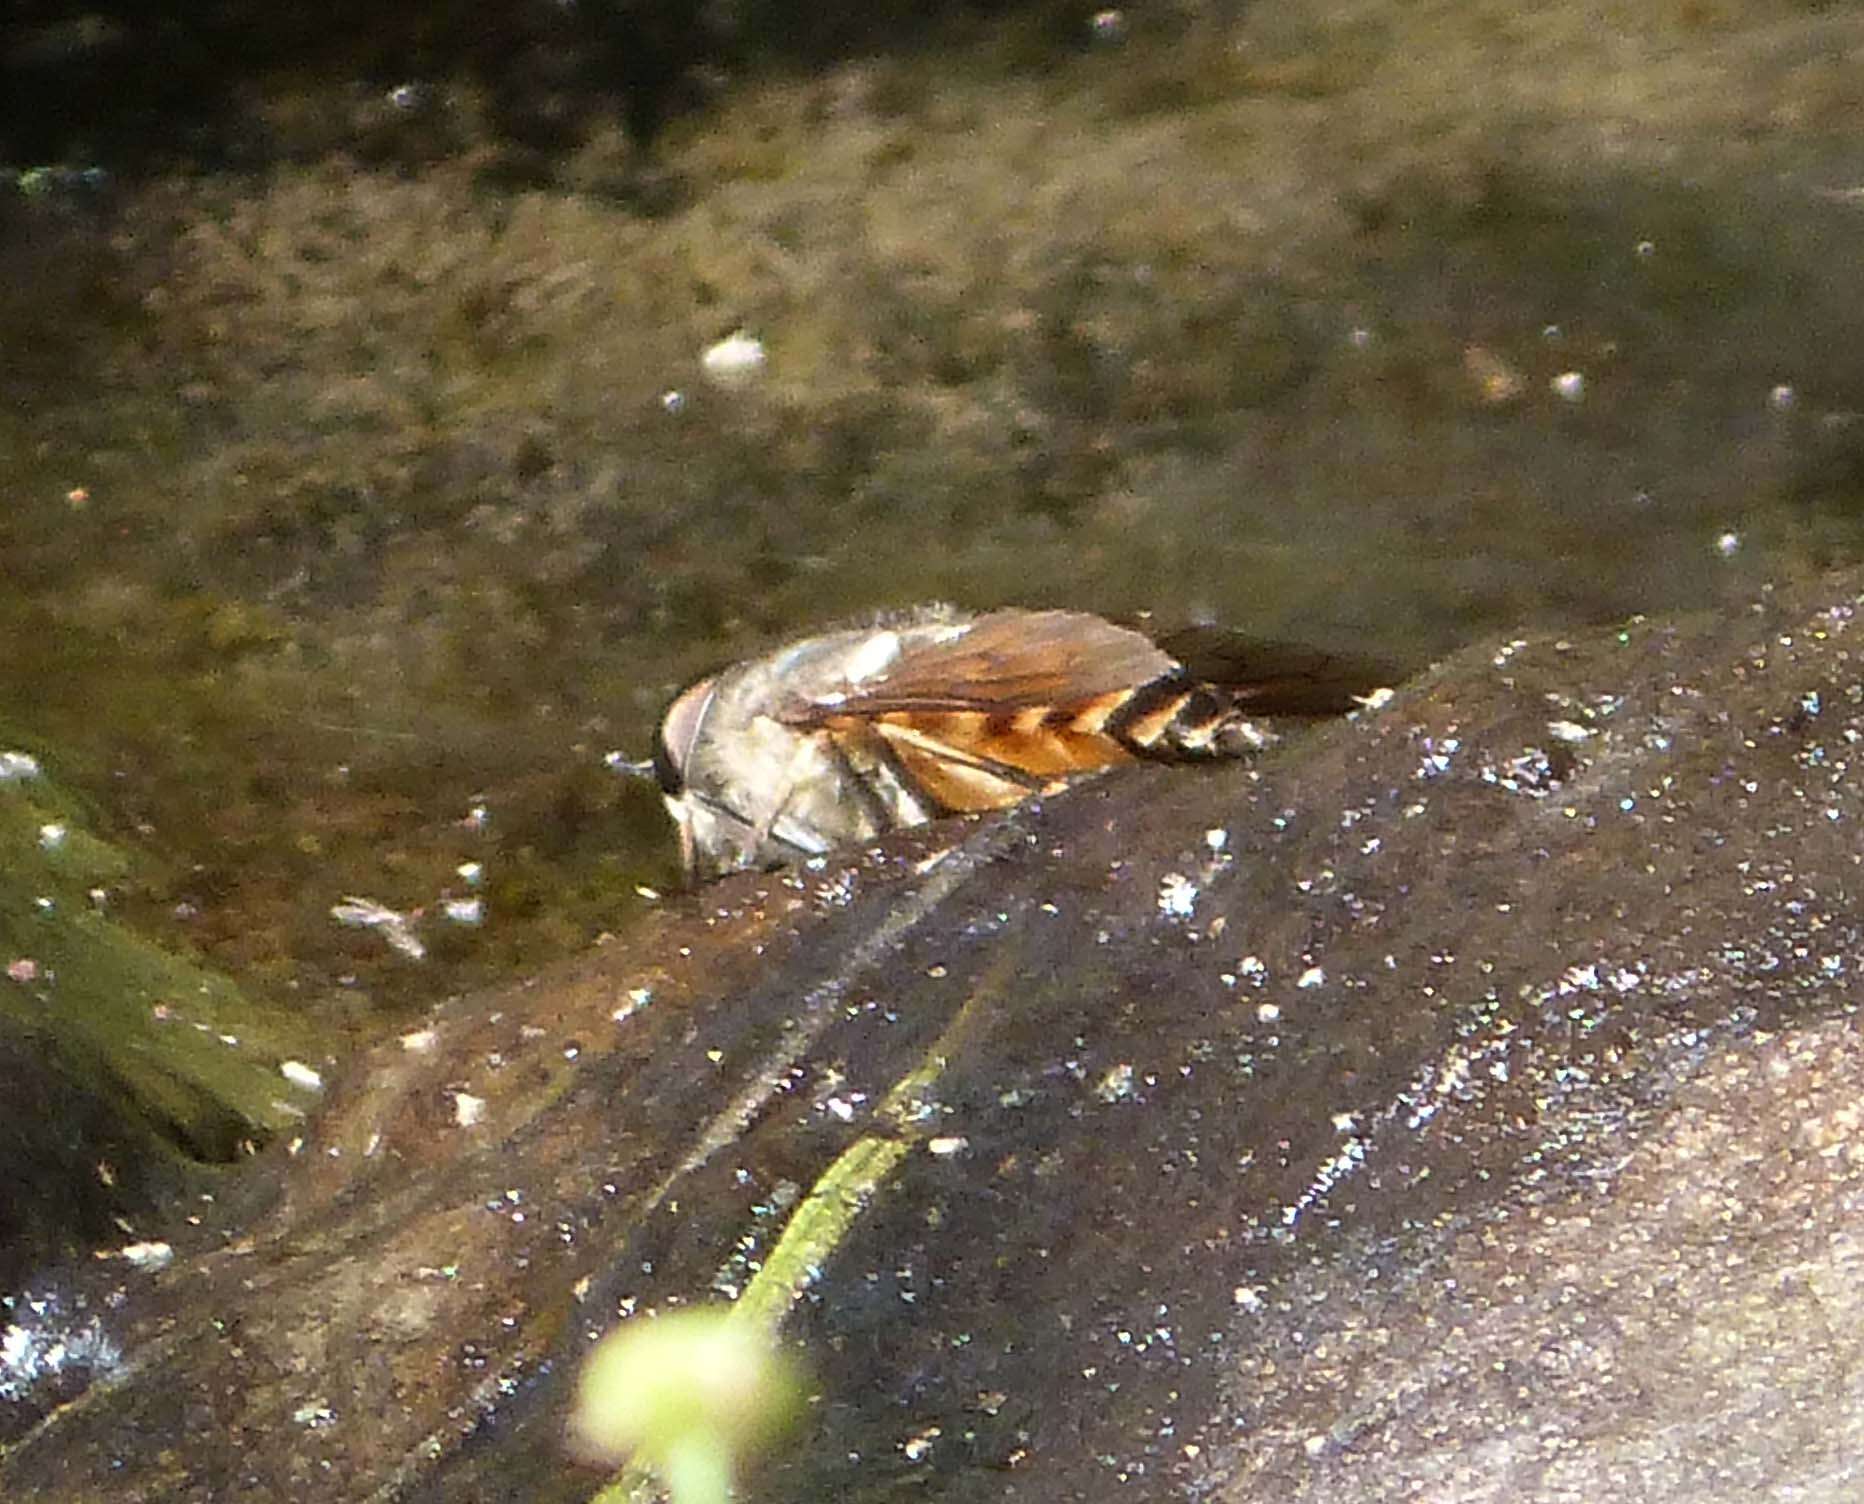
[1175, 718]
[972, 760]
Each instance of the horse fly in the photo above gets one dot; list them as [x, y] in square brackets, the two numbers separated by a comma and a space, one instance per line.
[847, 735]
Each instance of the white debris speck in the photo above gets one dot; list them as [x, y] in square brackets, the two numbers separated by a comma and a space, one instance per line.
[1568, 731]
[840, 1109]
[39, 1343]
[1248, 1298]
[1107, 26]
[300, 1074]
[146, 1256]
[1177, 896]
[1378, 699]
[1728, 545]
[1314, 976]
[1216, 838]
[477, 817]
[1569, 386]
[51, 836]
[1116, 1084]
[464, 910]
[467, 1109]
[638, 998]
[471, 873]
[1344, 1122]
[395, 927]
[315, 1415]
[673, 400]
[420, 1041]
[736, 360]
[18, 765]
[1781, 397]
[1268, 1013]
[652, 895]
[947, 1144]
[22, 969]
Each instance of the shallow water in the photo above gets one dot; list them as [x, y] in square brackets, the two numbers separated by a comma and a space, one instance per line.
[356, 511]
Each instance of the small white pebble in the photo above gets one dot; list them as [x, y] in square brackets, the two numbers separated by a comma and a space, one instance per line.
[420, 1041]
[300, 1074]
[735, 361]
[147, 1256]
[471, 873]
[1728, 545]
[464, 910]
[1568, 731]
[1314, 976]
[467, 1109]
[1569, 386]
[947, 1144]
[51, 836]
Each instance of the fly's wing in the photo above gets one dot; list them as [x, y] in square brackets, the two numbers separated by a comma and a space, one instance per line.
[1024, 700]
[1004, 661]
[979, 719]
[1268, 678]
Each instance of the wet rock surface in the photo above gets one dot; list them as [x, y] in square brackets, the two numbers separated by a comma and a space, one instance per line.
[1460, 1102]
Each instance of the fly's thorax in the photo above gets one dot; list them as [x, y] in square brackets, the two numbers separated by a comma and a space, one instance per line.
[758, 790]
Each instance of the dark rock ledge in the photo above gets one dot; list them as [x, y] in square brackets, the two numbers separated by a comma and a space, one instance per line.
[1462, 1105]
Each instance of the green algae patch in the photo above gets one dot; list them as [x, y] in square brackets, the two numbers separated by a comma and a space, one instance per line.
[181, 1047]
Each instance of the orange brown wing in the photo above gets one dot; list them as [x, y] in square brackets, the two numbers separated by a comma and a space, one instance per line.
[1006, 660]
[1025, 700]
[969, 760]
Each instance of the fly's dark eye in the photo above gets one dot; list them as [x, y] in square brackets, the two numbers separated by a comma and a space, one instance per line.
[666, 766]
[679, 734]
